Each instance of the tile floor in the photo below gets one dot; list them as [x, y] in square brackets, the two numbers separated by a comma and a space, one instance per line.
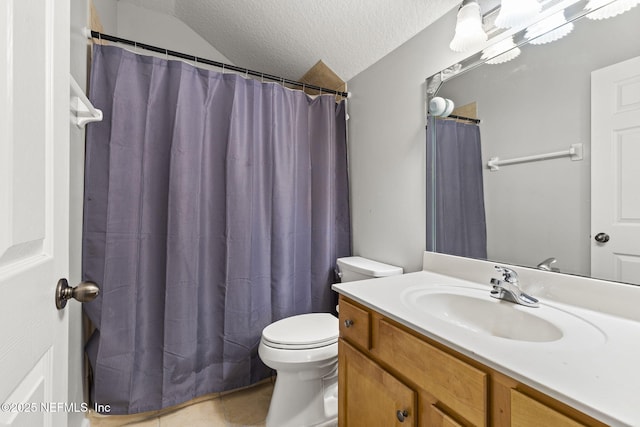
[246, 407]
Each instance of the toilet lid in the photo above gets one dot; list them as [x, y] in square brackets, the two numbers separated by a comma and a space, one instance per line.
[303, 331]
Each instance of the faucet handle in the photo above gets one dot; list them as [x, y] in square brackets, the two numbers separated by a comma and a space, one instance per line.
[546, 264]
[509, 275]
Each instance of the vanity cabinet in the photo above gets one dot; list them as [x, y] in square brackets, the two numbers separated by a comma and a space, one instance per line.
[390, 375]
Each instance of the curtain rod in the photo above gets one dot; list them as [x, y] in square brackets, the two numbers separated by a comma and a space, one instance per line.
[246, 71]
[453, 116]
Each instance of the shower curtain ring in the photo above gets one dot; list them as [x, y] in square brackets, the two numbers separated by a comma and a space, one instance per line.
[222, 68]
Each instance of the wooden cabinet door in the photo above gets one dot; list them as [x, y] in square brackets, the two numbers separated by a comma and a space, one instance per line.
[370, 396]
[527, 412]
[437, 418]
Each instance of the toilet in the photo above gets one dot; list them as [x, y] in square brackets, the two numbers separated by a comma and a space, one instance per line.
[303, 350]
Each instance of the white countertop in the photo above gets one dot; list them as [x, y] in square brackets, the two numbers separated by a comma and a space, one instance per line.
[595, 370]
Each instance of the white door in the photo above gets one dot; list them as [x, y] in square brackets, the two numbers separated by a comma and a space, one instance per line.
[34, 202]
[615, 172]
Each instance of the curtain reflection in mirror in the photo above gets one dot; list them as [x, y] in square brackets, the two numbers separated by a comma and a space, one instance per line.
[456, 222]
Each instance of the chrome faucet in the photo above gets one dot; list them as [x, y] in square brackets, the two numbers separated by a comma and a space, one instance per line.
[546, 265]
[508, 288]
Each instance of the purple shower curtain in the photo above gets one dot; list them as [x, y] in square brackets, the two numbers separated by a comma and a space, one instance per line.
[456, 223]
[214, 205]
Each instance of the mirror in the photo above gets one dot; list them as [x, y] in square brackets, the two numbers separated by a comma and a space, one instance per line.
[538, 103]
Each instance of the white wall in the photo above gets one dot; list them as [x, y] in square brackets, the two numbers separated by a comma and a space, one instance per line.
[387, 147]
[132, 22]
[161, 30]
[108, 12]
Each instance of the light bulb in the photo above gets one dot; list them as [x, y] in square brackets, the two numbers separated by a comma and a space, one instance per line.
[469, 33]
[515, 13]
[501, 52]
[549, 29]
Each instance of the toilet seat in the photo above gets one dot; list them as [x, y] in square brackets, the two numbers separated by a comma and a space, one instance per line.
[305, 331]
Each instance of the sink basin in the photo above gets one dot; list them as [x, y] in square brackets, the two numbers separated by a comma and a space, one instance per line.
[474, 310]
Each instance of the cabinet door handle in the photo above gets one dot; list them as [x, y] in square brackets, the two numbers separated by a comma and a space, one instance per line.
[348, 323]
[402, 415]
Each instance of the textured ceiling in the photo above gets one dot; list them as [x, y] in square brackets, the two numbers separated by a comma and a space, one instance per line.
[287, 37]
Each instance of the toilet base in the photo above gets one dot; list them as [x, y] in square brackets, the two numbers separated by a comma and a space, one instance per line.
[304, 402]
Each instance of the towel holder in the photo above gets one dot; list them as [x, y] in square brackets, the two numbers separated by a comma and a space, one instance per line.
[82, 109]
[575, 152]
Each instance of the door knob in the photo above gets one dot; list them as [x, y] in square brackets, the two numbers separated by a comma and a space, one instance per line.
[84, 292]
[602, 237]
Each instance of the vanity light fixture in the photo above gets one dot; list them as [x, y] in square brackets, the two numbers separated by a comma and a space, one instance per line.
[516, 13]
[602, 10]
[549, 29]
[469, 33]
[501, 52]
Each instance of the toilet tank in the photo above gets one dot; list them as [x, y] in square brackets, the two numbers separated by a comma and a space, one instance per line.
[357, 268]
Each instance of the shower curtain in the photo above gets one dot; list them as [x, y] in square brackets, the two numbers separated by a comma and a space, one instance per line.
[214, 205]
[456, 222]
